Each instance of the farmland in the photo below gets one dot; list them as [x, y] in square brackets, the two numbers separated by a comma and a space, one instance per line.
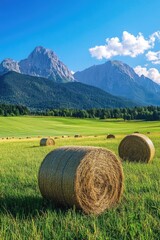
[25, 215]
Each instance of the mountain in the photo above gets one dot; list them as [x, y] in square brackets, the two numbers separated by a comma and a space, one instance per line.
[7, 65]
[119, 79]
[41, 93]
[42, 62]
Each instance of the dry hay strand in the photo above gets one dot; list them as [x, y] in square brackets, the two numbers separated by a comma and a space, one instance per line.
[47, 142]
[136, 148]
[111, 136]
[77, 135]
[89, 178]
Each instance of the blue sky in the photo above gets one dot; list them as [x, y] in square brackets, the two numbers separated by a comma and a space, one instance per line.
[77, 31]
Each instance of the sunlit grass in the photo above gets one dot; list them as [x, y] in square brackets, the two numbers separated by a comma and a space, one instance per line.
[25, 215]
[54, 126]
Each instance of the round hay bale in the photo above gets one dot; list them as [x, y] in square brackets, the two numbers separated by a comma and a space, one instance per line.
[47, 142]
[89, 178]
[77, 136]
[111, 136]
[136, 148]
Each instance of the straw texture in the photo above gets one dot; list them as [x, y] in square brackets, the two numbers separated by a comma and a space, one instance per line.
[136, 148]
[47, 142]
[89, 178]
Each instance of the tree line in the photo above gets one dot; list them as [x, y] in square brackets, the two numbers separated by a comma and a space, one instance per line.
[13, 110]
[149, 113]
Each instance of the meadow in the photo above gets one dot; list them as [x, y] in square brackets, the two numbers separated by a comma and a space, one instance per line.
[24, 214]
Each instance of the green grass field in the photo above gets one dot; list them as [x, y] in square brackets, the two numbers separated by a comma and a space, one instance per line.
[25, 215]
[54, 126]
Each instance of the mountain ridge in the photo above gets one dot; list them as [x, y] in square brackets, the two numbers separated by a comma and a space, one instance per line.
[119, 79]
[42, 93]
[41, 62]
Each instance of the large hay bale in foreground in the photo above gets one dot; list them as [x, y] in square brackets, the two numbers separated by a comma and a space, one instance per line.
[136, 148]
[47, 142]
[89, 178]
[110, 136]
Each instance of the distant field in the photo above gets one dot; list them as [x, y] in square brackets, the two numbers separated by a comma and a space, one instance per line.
[54, 126]
[25, 215]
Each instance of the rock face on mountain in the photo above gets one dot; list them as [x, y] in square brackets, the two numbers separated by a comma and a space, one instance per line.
[9, 65]
[41, 62]
[119, 79]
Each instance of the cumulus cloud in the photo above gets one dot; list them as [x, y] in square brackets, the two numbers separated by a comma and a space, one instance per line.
[130, 45]
[154, 57]
[151, 73]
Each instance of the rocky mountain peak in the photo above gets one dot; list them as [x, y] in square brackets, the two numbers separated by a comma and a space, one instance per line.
[9, 64]
[41, 62]
[119, 79]
[41, 51]
[123, 68]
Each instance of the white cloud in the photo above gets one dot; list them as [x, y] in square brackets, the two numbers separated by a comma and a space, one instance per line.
[151, 73]
[129, 46]
[154, 57]
[72, 72]
[154, 36]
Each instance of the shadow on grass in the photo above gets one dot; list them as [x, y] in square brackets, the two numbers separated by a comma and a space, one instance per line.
[38, 146]
[35, 146]
[28, 206]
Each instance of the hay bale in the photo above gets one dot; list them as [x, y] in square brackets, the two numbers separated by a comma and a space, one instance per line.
[47, 142]
[111, 136]
[136, 148]
[77, 136]
[89, 178]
